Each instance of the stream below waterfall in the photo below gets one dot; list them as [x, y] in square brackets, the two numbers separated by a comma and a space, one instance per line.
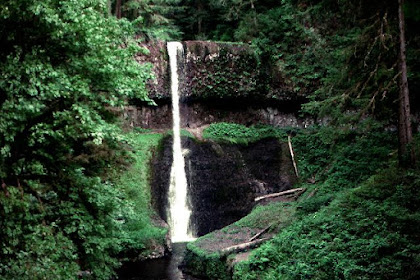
[158, 269]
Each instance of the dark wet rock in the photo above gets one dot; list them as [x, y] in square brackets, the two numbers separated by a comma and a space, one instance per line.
[223, 179]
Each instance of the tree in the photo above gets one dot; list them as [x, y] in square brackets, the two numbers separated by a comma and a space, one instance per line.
[150, 17]
[118, 8]
[63, 65]
[406, 150]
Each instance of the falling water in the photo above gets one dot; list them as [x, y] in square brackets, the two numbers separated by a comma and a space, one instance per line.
[179, 211]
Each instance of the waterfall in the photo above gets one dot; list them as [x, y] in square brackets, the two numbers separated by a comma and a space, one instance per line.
[179, 211]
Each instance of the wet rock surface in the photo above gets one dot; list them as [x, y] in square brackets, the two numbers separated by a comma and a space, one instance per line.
[219, 82]
[223, 179]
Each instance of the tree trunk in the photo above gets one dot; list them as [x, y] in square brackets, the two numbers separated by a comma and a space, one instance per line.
[292, 154]
[109, 5]
[200, 10]
[255, 13]
[296, 192]
[243, 246]
[118, 9]
[406, 150]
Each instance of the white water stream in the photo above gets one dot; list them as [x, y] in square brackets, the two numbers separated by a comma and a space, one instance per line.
[179, 212]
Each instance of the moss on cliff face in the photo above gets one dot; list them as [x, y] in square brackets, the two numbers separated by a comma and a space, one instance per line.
[217, 71]
[233, 73]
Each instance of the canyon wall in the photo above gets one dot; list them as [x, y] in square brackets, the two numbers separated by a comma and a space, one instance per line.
[219, 82]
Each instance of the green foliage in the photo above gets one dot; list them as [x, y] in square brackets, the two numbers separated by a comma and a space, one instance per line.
[203, 255]
[151, 18]
[343, 157]
[240, 134]
[63, 230]
[278, 214]
[356, 225]
[341, 54]
[370, 232]
[53, 91]
[63, 65]
[31, 249]
[201, 262]
[315, 203]
[198, 18]
[137, 228]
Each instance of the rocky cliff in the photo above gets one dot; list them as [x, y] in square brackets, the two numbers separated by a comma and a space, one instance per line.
[224, 179]
[219, 82]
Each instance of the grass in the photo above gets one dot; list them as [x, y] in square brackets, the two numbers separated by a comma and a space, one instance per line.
[135, 183]
[239, 134]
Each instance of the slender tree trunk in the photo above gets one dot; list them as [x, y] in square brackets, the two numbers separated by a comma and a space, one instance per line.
[200, 9]
[292, 155]
[109, 5]
[255, 13]
[118, 9]
[406, 150]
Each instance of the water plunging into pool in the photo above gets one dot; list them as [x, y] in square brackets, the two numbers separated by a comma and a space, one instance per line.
[157, 269]
[179, 211]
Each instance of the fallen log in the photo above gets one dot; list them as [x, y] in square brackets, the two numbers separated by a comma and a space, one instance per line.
[292, 154]
[243, 246]
[299, 191]
[312, 193]
[260, 233]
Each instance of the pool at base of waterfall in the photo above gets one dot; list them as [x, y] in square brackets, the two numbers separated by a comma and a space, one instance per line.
[157, 269]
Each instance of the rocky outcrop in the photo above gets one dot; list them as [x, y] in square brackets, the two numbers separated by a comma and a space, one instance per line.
[156, 54]
[200, 113]
[224, 179]
[219, 82]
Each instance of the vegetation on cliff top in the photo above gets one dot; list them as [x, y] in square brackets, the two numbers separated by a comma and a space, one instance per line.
[241, 134]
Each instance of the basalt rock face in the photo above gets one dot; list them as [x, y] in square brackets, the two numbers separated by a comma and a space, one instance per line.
[161, 176]
[218, 82]
[224, 179]
[157, 56]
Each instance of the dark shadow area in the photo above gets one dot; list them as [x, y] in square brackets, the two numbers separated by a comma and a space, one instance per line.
[223, 179]
[158, 269]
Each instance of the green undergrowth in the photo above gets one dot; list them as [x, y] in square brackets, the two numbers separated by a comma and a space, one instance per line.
[369, 232]
[201, 263]
[204, 256]
[83, 225]
[134, 182]
[275, 215]
[358, 220]
[183, 133]
[240, 134]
